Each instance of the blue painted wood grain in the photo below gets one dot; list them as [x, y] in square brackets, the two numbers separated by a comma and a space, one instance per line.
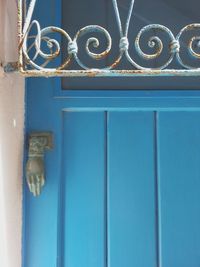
[83, 214]
[131, 190]
[179, 175]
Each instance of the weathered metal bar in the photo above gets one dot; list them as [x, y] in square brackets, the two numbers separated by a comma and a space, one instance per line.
[20, 35]
[109, 73]
[29, 15]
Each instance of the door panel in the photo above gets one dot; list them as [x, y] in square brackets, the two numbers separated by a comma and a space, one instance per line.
[179, 175]
[132, 190]
[84, 189]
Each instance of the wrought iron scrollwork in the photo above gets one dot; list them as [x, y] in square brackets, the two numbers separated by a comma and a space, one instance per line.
[155, 43]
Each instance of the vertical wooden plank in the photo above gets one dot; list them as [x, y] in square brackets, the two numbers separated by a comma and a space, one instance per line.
[132, 215]
[40, 214]
[84, 183]
[179, 172]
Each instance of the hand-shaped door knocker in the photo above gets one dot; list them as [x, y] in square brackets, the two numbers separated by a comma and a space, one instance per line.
[35, 170]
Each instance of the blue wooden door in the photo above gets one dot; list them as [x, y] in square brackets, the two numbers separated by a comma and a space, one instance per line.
[122, 181]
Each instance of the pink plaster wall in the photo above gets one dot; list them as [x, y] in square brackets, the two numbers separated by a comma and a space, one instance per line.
[11, 141]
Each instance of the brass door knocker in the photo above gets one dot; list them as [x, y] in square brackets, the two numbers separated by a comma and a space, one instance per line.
[35, 167]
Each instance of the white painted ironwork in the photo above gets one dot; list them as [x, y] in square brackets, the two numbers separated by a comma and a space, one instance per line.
[29, 65]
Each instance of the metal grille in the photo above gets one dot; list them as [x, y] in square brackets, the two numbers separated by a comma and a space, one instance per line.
[34, 61]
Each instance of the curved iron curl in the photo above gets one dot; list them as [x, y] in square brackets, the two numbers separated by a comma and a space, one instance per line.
[154, 42]
[92, 41]
[190, 46]
[95, 43]
[52, 44]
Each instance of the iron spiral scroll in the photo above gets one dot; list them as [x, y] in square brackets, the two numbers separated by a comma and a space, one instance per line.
[31, 62]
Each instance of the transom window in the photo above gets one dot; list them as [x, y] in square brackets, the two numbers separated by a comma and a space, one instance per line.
[118, 44]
